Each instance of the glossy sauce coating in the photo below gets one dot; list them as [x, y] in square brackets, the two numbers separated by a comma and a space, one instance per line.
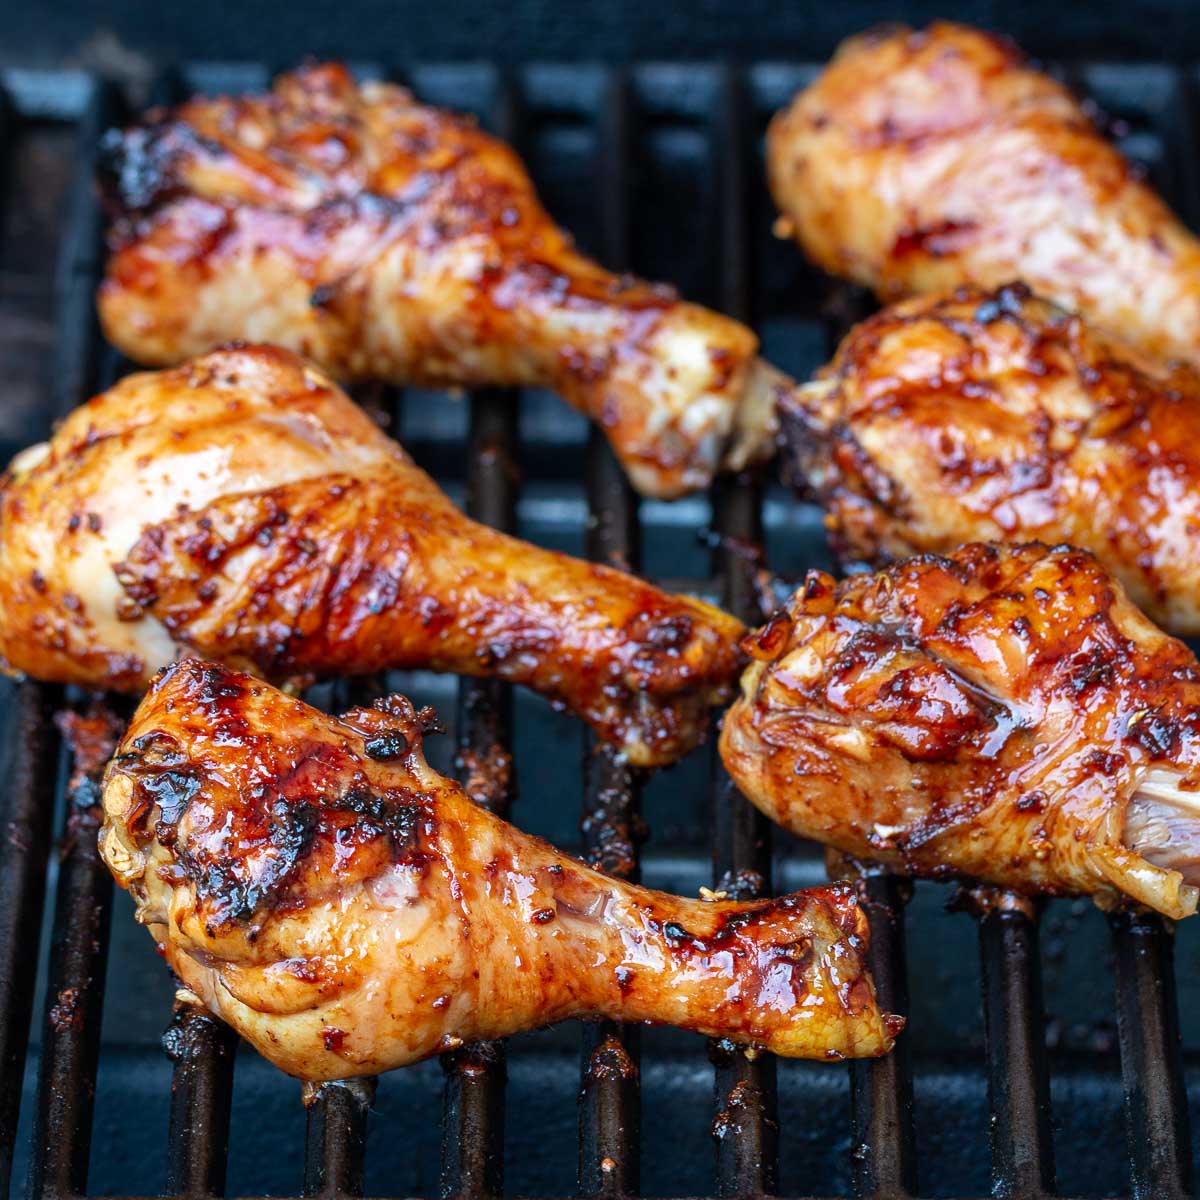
[347, 910]
[1003, 714]
[997, 416]
[922, 160]
[387, 240]
[243, 508]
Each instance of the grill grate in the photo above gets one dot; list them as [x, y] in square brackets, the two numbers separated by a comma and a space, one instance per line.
[643, 125]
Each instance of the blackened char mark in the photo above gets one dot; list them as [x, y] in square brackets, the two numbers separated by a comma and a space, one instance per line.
[136, 168]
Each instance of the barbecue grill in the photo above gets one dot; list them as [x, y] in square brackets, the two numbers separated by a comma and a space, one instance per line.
[656, 167]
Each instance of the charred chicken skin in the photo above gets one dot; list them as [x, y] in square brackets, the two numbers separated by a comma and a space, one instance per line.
[919, 161]
[244, 509]
[387, 240]
[996, 416]
[1002, 714]
[348, 910]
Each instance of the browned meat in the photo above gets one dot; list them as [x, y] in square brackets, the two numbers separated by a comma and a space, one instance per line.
[993, 415]
[242, 508]
[387, 240]
[1003, 714]
[348, 910]
[920, 161]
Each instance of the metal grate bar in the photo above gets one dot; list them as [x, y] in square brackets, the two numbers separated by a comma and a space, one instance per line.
[203, 1051]
[201, 1048]
[1156, 1109]
[881, 1091]
[79, 347]
[335, 1137]
[74, 1004]
[24, 848]
[885, 1162]
[610, 1099]
[83, 899]
[473, 1120]
[1015, 1041]
[746, 1127]
[473, 1124]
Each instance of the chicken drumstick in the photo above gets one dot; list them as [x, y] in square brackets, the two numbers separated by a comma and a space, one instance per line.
[243, 508]
[996, 416]
[920, 161]
[347, 910]
[1003, 714]
[387, 240]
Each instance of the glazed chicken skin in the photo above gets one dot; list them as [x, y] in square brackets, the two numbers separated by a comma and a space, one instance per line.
[919, 161]
[347, 910]
[384, 239]
[244, 509]
[1002, 714]
[997, 416]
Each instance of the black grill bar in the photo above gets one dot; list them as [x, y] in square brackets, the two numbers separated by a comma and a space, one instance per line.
[473, 1121]
[473, 1124]
[83, 898]
[473, 1105]
[1015, 1042]
[884, 1158]
[881, 1093]
[336, 1113]
[79, 351]
[335, 1140]
[24, 848]
[746, 1126]
[1156, 1108]
[74, 1004]
[610, 1099]
[202, 1049]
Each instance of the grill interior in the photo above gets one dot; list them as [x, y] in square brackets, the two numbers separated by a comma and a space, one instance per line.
[656, 168]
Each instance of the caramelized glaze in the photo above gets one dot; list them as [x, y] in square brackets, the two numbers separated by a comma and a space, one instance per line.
[1002, 714]
[384, 239]
[347, 910]
[242, 508]
[997, 416]
[922, 160]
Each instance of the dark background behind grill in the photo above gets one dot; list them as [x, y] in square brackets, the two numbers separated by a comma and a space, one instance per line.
[521, 30]
[669, 207]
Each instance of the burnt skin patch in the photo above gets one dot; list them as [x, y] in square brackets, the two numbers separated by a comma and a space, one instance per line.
[249, 854]
[386, 746]
[1156, 732]
[172, 792]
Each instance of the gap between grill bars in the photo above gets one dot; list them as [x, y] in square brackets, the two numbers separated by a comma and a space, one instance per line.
[746, 1111]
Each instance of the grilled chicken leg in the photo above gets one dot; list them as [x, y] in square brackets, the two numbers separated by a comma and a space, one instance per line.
[242, 508]
[348, 910]
[1003, 713]
[920, 161]
[387, 240]
[994, 415]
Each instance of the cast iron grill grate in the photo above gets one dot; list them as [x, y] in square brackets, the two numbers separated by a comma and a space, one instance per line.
[658, 167]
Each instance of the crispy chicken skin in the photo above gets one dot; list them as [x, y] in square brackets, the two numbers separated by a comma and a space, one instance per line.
[1003, 714]
[919, 161]
[387, 240]
[243, 508]
[348, 910]
[996, 416]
